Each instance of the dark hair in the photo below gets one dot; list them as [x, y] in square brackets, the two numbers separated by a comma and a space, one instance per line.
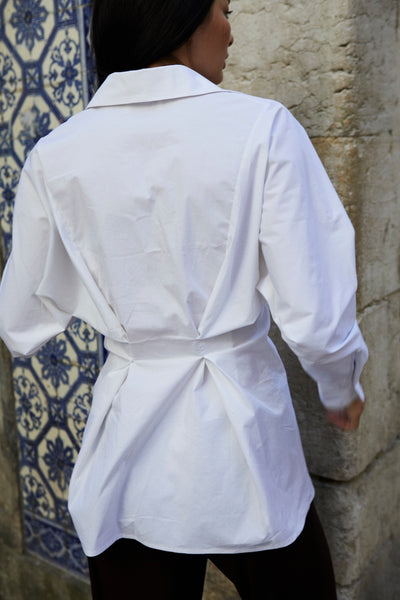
[132, 34]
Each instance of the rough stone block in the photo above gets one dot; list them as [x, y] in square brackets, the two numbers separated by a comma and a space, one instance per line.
[217, 586]
[381, 378]
[334, 64]
[10, 517]
[380, 580]
[300, 54]
[378, 225]
[366, 175]
[382, 577]
[361, 517]
[340, 158]
[24, 577]
[375, 30]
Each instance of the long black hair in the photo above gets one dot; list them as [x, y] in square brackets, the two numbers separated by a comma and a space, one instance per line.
[132, 34]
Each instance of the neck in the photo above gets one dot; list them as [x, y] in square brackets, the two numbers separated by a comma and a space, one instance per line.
[167, 60]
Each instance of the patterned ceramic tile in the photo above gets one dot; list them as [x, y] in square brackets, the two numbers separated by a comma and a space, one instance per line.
[66, 12]
[56, 458]
[9, 175]
[11, 84]
[62, 72]
[35, 119]
[85, 337]
[52, 404]
[30, 404]
[46, 75]
[35, 496]
[27, 25]
[88, 64]
[78, 411]
[47, 540]
[55, 366]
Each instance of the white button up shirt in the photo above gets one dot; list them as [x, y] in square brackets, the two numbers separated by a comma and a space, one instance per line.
[171, 215]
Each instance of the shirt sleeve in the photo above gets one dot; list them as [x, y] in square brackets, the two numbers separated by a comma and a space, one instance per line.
[26, 320]
[308, 274]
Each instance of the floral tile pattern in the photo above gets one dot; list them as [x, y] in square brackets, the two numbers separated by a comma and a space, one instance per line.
[25, 25]
[11, 80]
[63, 73]
[46, 75]
[34, 120]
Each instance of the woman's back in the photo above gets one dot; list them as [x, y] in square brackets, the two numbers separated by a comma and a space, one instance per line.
[196, 210]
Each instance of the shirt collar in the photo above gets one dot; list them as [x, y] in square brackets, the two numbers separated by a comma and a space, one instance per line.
[151, 85]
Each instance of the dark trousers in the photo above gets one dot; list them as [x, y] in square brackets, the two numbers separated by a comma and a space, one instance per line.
[130, 571]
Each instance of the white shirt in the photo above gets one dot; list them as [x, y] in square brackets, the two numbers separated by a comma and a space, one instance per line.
[170, 214]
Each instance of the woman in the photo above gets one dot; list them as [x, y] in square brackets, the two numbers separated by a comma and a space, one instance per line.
[172, 215]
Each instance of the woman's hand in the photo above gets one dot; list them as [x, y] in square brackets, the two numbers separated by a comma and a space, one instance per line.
[347, 418]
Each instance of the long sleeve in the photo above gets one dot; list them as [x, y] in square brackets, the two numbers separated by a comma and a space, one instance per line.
[308, 265]
[26, 322]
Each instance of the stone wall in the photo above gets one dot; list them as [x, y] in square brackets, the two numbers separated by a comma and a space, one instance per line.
[336, 65]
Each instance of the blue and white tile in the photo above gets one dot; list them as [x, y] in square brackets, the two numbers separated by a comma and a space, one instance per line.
[9, 177]
[56, 459]
[31, 405]
[54, 369]
[35, 495]
[46, 75]
[34, 120]
[66, 13]
[10, 84]
[78, 412]
[28, 24]
[62, 72]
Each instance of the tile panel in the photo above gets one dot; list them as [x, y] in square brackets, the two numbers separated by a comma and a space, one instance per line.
[46, 75]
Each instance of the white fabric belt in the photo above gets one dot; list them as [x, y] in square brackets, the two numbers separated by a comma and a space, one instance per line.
[174, 347]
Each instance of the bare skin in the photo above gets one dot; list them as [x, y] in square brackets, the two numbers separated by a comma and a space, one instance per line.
[347, 419]
[207, 49]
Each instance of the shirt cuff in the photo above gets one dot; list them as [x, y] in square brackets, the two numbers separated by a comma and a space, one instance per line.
[339, 392]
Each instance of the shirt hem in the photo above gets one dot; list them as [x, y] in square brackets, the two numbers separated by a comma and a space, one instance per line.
[234, 549]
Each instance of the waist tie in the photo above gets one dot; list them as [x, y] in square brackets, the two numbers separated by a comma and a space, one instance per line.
[163, 347]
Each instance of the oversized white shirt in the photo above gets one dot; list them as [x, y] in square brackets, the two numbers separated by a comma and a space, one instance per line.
[171, 215]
